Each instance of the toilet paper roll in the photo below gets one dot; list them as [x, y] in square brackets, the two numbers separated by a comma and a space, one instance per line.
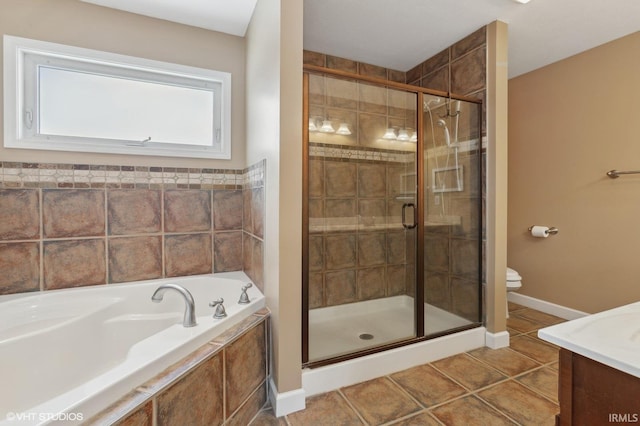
[540, 231]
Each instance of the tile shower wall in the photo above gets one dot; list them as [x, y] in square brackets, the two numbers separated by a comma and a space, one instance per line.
[358, 248]
[65, 226]
[357, 245]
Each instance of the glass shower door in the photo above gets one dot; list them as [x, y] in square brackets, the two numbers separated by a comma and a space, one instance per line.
[361, 209]
[453, 212]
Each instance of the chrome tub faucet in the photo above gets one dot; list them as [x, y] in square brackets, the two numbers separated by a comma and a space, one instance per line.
[189, 305]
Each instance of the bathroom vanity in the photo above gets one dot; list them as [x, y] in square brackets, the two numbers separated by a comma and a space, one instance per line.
[599, 374]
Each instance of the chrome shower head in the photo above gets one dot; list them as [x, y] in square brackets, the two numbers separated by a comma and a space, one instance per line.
[447, 137]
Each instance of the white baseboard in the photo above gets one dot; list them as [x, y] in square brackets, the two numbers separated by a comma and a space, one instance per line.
[286, 402]
[497, 340]
[330, 377]
[544, 306]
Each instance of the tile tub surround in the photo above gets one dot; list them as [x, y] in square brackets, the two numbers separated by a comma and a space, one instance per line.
[224, 382]
[64, 225]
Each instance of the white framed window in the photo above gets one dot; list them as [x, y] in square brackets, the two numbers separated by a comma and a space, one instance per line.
[67, 98]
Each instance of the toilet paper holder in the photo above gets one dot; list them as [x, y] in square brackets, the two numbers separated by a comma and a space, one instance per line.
[552, 230]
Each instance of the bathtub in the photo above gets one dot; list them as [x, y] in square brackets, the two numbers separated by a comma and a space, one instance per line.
[67, 354]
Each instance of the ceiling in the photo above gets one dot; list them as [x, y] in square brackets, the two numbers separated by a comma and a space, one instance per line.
[400, 34]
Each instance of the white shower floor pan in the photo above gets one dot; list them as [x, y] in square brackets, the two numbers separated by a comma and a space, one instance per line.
[343, 329]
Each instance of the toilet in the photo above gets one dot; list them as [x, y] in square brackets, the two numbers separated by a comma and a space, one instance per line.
[514, 282]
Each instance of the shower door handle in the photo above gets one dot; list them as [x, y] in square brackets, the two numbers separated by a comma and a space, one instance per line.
[404, 222]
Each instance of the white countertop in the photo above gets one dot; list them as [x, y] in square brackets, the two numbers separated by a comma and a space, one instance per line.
[610, 337]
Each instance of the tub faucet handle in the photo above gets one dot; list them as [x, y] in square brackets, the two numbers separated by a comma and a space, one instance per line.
[220, 311]
[244, 297]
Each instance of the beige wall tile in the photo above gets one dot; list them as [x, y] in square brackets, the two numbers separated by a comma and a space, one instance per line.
[340, 207]
[19, 214]
[313, 58]
[197, 399]
[371, 249]
[316, 253]
[465, 258]
[187, 254]
[341, 94]
[340, 251]
[227, 210]
[19, 267]
[468, 73]
[341, 64]
[436, 258]
[257, 211]
[465, 298]
[372, 180]
[470, 42]
[316, 290]
[135, 258]
[372, 70]
[372, 98]
[340, 179]
[245, 367]
[73, 213]
[187, 210]
[437, 61]
[395, 277]
[74, 263]
[250, 408]
[257, 260]
[340, 287]
[133, 211]
[227, 251]
[143, 416]
[396, 247]
[437, 80]
[371, 283]
[437, 289]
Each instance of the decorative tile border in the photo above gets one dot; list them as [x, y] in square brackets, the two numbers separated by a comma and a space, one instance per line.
[253, 176]
[48, 175]
[347, 152]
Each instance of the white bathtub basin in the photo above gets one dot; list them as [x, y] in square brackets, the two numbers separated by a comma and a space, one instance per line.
[610, 337]
[79, 350]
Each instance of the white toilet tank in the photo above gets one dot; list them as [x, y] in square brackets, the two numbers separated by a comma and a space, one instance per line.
[514, 280]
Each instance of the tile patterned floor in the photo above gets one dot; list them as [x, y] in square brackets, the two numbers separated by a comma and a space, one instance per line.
[508, 386]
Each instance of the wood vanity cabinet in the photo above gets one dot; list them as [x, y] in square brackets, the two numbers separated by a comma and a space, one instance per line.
[593, 394]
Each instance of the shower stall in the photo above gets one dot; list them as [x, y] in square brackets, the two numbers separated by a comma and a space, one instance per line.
[392, 215]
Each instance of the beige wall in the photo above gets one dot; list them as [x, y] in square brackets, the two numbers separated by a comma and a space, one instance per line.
[274, 114]
[85, 25]
[569, 123]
